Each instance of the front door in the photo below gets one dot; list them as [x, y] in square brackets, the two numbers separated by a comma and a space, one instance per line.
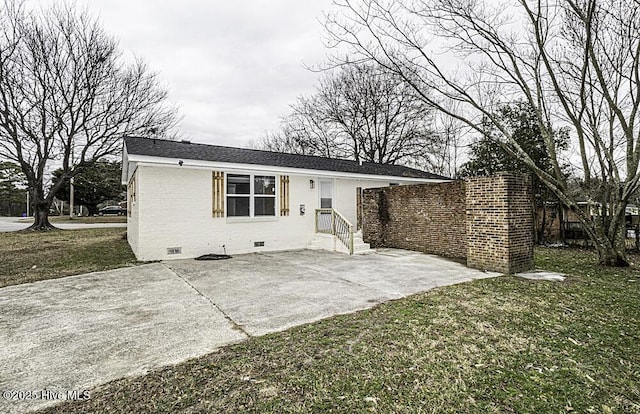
[326, 194]
[326, 201]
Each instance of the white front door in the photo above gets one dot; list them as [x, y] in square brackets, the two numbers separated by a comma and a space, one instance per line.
[326, 201]
[326, 194]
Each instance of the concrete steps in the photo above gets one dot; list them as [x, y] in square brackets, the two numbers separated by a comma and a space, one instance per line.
[359, 246]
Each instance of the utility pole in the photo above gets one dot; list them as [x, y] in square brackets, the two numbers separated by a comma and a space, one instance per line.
[71, 188]
[71, 198]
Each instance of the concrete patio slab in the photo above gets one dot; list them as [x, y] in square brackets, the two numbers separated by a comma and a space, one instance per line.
[271, 292]
[74, 333]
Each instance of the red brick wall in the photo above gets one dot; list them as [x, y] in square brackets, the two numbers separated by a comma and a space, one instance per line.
[429, 218]
[487, 220]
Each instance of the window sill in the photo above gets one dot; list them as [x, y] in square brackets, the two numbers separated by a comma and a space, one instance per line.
[251, 219]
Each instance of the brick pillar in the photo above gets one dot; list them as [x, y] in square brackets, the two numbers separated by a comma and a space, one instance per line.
[372, 226]
[499, 222]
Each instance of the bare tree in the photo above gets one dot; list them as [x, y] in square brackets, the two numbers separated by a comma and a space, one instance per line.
[66, 98]
[362, 113]
[453, 133]
[306, 130]
[575, 62]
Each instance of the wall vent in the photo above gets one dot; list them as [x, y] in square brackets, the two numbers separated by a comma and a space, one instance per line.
[258, 244]
[174, 250]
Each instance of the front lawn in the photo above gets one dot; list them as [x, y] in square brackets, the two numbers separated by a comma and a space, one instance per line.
[31, 256]
[87, 219]
[494, 345]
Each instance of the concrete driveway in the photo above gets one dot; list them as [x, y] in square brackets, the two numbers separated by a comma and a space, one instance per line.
[74, 333]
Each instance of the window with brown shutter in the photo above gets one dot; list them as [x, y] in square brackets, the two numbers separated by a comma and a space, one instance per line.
[132, 194]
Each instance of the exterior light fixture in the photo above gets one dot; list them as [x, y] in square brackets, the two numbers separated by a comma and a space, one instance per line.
[312, 184]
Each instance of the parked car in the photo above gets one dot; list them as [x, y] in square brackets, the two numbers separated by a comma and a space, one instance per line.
[116, 210]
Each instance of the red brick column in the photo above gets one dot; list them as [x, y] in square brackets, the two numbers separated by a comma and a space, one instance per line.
[499, 223]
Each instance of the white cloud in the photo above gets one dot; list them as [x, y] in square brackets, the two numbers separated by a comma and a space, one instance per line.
[232, 67]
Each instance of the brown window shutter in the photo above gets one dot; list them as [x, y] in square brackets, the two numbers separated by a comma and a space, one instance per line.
[284, 195]
[132, 194]
[217, 184]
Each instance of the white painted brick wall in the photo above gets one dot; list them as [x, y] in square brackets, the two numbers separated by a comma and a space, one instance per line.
[173, 209]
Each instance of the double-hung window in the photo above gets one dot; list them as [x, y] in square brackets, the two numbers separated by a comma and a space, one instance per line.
[238, 195]
[264, 199]
[251, 195]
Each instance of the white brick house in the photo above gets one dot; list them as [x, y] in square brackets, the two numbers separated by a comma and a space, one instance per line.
[186, 199]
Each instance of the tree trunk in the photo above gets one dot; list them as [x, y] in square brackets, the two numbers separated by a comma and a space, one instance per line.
[612, 252]
[612, 256]
[41, 217]
[607, 232]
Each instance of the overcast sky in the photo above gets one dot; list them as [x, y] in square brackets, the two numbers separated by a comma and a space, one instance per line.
[232, 67]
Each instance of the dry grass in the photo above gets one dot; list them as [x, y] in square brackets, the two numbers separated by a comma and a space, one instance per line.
[490, 346]
[31, 256]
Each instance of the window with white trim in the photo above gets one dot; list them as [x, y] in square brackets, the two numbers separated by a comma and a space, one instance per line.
[251, 195]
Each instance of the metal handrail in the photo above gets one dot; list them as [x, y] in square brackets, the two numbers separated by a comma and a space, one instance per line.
[338, 226]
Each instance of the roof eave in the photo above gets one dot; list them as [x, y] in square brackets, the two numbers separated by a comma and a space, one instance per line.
[189, 163]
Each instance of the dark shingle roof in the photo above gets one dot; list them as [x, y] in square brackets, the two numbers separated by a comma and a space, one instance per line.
[186, 150]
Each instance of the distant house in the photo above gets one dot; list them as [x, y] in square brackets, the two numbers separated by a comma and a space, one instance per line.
[187, 199]
[559, 223]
